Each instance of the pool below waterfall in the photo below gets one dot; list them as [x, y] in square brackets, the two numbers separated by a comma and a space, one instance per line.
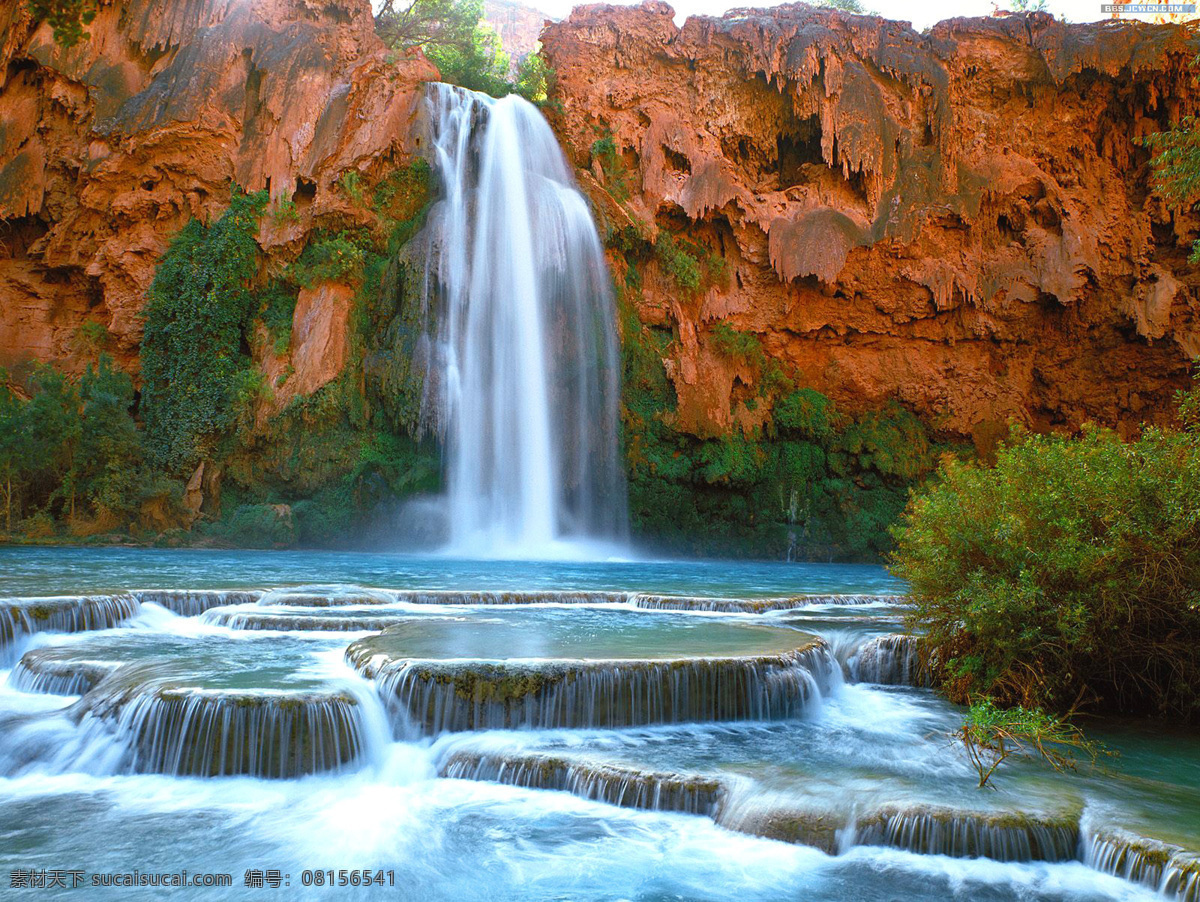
[429, 728]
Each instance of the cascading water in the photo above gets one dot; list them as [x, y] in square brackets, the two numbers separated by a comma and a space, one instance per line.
[474, 721]
[523, 377]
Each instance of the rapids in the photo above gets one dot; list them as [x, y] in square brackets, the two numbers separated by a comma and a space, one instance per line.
[643, 731]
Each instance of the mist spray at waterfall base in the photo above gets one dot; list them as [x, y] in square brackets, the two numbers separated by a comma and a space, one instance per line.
[520, 344]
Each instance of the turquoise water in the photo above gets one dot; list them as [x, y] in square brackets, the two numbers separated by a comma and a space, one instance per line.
[54, 571]
[68, 800]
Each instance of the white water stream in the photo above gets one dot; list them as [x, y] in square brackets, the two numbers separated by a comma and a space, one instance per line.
[524, 377]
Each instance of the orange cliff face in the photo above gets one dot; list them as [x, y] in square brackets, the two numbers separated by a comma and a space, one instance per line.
[960, 220]
[107, 149]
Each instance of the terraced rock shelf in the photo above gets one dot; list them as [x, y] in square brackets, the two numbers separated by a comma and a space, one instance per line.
[792, 723]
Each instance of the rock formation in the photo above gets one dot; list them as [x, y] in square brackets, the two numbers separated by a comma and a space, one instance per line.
[962, 220]
[108, 148]
[518, 26]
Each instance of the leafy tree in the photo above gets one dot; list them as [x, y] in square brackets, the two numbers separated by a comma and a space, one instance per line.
[1176, 165]
[423, 23]
[110, 448]
[480, 66]
[991, 735]
[466, 51]
[13, 453]
[1067, 574]
[51, 427]
[197, 312]
[535, 78]
[66, 17]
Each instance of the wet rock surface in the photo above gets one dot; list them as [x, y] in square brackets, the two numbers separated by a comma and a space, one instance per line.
[962, 220]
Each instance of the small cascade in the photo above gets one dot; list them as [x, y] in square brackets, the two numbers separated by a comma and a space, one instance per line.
[314, 599]
[63, 614]
[896, 660]
[621, 786]
[195, 732]
[331, 597]
[44, 670]
[194, 602]
[435, 697]
[1173, 871]
[287, 621]
[776, 819]
[522, 336]
[1001, 837]
[757, 605]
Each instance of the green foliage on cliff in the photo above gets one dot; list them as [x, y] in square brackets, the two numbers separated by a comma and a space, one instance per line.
[465, 49]
[535, 79]
[1067, 574]
[328, 257]
[276, 309]
[194, 360]
[616, 174]
[109, 458]
[72, 453]
[1176, 165]
[339, 456]
[68, 18]
[73, 458]
[815, 483]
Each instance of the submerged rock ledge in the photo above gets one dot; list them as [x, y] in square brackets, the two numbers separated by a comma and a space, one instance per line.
[1009, 836]
[184, 731]
[438, 696]
[621, 786]
[55, 671]
[63, 614]
[1170, 869]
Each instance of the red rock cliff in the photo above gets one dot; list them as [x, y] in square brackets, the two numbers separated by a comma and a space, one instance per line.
[961, 220]
[108, 148]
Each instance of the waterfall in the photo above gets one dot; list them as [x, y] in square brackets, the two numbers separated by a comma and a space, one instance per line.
[625, 787]
[434, 697]
[523, 356]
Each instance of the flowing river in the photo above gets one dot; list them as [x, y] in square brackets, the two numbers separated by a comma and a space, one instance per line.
[465, 730]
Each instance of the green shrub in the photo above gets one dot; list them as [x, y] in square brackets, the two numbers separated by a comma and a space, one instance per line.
[351, 185]
[258, 526]
[285, 211]
[402, 199]
[66, 17]
[1068, 573]
[535, 79]
[197, 313]
[692, 267]
[991, 735]
[604, 151]
[816, 482]
[110, 448]
[277, 309]
[91, 338]
[681, 266]
[329, 257]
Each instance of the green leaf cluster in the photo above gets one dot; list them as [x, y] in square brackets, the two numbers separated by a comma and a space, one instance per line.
[1067, 574]
[693, 268]
[71, 451]
[194, 349]
[68, 18]
[815, 482]
[465, 49]
[1176, 165]
[992, 734]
